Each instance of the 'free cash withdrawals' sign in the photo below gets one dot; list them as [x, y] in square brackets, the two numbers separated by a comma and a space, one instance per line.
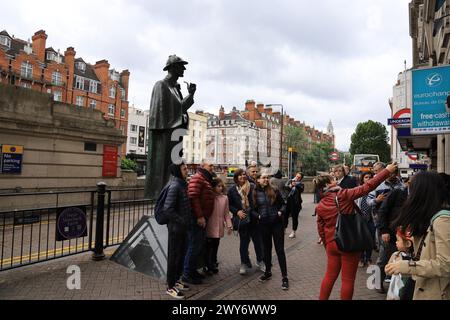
[430, 88]
[11, 159]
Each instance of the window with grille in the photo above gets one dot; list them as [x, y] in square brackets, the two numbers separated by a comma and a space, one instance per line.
[80, 101]
[112, 92]
[26, 70]
[57, 95]
[79, 82]
[93, 86]
[111, 110]
[56, 78]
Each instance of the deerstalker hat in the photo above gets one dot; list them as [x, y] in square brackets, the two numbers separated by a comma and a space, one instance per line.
[172, 60]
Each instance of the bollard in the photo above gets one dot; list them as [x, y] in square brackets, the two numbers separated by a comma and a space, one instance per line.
[98, 249]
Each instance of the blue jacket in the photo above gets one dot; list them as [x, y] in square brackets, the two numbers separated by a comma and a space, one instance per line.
[177, 204]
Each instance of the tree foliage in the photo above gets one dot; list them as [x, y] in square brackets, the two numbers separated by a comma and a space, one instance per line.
[371, 137]
[128, 164]
[312, 159]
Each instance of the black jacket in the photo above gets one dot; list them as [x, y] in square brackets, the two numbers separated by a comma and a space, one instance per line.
[267, 212]
[235, 203]
[294, 199]
[390, 210]
[348, 182]
[177, 204]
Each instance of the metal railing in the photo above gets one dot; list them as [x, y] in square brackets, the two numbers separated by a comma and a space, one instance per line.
[32, 229]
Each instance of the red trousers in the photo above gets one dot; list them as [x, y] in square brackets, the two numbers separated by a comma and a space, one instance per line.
[337, 260]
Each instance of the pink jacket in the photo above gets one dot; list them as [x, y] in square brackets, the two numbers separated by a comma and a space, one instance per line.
[220, 216]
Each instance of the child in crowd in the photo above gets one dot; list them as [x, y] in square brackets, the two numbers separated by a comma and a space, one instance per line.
[403, 284]
[215, 226]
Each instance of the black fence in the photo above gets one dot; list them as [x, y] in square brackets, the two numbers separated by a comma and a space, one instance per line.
[37, 227]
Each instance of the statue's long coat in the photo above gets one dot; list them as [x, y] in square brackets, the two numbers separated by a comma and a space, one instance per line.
[168, 111]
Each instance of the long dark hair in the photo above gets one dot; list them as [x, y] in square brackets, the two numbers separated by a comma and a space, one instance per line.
[427, 195]
[269, 191]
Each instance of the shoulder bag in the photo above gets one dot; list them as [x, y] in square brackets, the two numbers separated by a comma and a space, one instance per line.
[352, 232]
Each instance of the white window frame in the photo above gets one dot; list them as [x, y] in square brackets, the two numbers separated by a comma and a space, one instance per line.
[79, 101]
[122, 113]
[93, 104]
[112, 92]
[122, 93]
[26, 70]
[26, 85]
[133, 141]
[93, 86]
[133, 126]
[57, 95]
[113, 108]
[56, 78]
[81, 66]
[5, 41]
[79, 83]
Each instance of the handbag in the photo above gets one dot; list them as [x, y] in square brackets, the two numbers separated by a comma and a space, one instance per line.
[352, 232]
[239, 223]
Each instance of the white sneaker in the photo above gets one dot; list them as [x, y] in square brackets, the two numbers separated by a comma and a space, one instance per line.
[262, 266]
[243, 269]
[292, 235]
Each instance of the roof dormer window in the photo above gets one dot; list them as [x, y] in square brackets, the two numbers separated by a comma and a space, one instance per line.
[80, 66]
[6, 41]
[114, 75]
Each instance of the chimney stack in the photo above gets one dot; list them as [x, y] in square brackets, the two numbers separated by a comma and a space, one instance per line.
[260, 107]
[250, 105]
[125, 79]
[38, 45]
[234, 113]
[101, 70]
[221, 113]
[69, 59]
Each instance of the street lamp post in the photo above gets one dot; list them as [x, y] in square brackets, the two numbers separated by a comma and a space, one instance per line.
[281, 132]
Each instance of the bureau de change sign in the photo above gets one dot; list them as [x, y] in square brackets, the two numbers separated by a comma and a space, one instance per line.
[430, 88]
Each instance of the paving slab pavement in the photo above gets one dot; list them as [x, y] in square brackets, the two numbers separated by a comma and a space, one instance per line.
[107, 280]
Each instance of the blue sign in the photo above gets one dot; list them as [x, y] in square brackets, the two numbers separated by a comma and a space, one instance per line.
[430, 88]
[395, 121]
[11, 163]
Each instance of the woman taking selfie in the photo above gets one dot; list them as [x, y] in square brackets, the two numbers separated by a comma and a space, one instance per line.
[327, 215]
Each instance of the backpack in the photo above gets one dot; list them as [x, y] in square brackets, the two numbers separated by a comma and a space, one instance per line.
[159, 213]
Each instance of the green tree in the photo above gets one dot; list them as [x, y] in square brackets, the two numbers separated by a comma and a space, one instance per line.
[371, 137]
[128, 164]
[295, 137]
[316, 159]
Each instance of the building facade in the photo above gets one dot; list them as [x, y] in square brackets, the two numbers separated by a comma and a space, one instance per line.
[430, 33]
[194, 143]
[137, 136]
[33, 65]
[231, 139]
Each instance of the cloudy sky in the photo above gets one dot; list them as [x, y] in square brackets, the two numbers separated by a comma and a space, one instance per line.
[322, 60]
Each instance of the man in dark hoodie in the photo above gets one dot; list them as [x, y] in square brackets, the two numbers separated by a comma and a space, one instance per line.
[201, 196]
[178, 209]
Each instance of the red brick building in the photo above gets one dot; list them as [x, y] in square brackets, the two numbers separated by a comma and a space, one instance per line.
[69, 79]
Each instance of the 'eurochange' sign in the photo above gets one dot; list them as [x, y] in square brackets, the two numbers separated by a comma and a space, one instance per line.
[430, 88]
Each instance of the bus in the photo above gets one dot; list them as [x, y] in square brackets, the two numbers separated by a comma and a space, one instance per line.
[364, 163]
